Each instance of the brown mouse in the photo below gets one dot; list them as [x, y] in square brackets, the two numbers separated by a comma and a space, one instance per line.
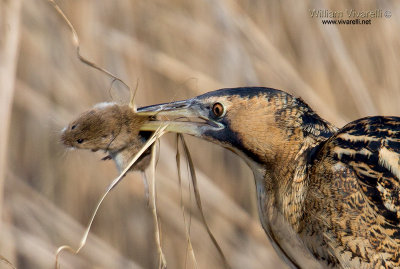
[113, 128]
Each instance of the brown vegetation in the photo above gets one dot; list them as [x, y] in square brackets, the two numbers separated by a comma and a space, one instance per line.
[176, 49]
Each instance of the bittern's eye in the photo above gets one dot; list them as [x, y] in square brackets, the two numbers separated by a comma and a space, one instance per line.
[218, 109]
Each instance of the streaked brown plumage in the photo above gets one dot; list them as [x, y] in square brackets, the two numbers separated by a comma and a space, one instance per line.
[327, 197]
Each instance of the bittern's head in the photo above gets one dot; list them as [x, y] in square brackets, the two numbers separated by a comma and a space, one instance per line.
[256, 123]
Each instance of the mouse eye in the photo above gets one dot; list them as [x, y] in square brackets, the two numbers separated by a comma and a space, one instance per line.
[80, 141]
[73, 127]
[218, 109]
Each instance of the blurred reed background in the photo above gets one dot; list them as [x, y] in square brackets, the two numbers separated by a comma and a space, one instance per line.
[175, 49]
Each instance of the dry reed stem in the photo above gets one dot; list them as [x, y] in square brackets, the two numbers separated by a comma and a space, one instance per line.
[198, 200]
[187, 231]
[9, 48]
[157, 134]
[4, 260]
[9, 39]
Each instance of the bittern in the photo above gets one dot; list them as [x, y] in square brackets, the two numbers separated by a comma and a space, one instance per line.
[327, 197]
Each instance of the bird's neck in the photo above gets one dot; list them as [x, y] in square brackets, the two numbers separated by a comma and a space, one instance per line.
[287, 177]
[284, 151]
[277, 146]
[286, 182]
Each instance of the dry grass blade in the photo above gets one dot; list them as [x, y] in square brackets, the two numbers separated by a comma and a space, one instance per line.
[4, 260]
[187, 232]
[132, 103]
[198, 200]
[146, 188]
[157, 134]
[75, 40]
[153, 205]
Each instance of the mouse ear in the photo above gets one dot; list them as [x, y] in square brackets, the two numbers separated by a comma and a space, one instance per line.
[132, 100]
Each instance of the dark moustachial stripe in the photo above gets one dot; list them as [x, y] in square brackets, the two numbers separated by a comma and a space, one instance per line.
[228, 135]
